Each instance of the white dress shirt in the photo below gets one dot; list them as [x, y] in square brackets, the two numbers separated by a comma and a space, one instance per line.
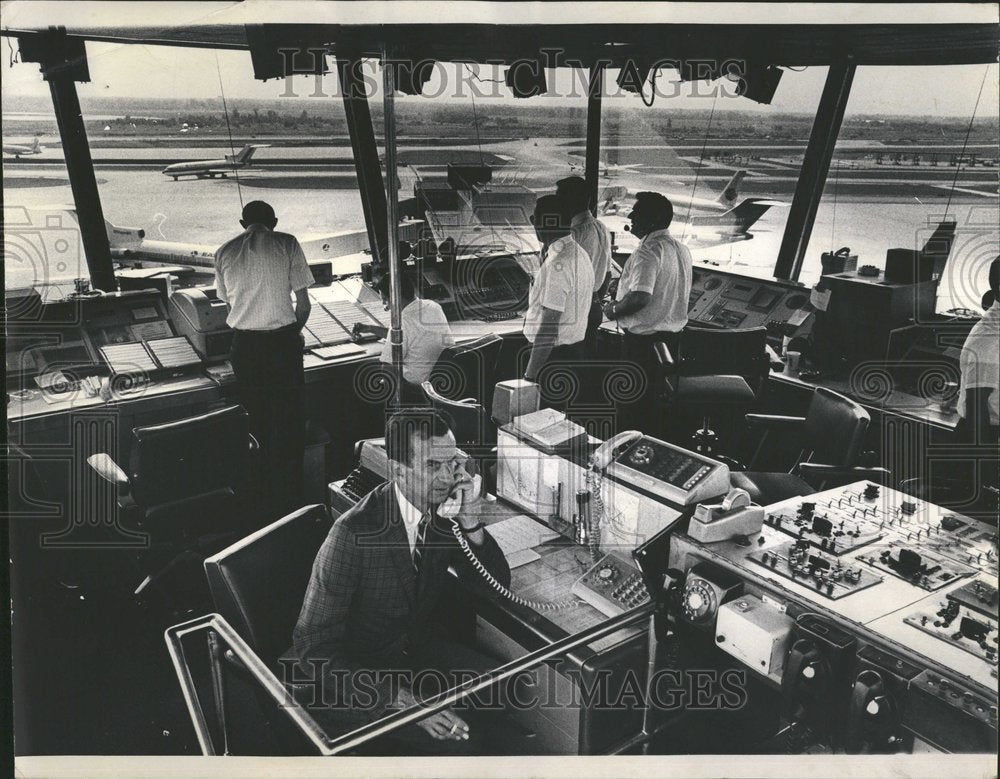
[411, 517]
[426, 333]
[565, 284]
[979, 362]
[256, 273]
[661, 266]
[595, 238]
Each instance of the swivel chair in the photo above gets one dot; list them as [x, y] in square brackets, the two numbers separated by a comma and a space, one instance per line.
[716, 373]
[828, 440]
[468, 370]
[258, 585]
[473, 429]
[185, 487]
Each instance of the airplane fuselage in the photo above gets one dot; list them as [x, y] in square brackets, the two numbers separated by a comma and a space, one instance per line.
[19, 151]
[201, 169]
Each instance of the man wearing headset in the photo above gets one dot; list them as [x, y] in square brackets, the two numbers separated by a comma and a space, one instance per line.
[373, 620]
[651, 302]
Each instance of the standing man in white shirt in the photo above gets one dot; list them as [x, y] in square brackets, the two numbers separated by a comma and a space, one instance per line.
[979, 364]
[559, 302]
[595, 239]
[651, 303]
[256, 273]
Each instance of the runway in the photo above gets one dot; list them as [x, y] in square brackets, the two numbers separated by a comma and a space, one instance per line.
[871, 211]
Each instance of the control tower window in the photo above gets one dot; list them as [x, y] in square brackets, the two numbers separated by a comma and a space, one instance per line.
[150, 107]
[728, 164]
[915, 149]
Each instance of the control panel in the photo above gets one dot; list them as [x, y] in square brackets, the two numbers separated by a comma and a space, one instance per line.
[965, 617]
[829, 575]
[55, 344]
[873, 612]
[490, 288]
[731, 301]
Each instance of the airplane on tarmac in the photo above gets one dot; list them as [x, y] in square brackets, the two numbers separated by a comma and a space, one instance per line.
[606, 168]
[706, 221]
[212, 168]
[18, 150]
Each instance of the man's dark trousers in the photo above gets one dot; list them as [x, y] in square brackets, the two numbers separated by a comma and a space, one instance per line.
[268, 368]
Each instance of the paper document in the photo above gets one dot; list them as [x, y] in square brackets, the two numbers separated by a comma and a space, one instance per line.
[525, 556]
[519, 533]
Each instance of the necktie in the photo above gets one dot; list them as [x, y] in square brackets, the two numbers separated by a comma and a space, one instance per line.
[418, 546]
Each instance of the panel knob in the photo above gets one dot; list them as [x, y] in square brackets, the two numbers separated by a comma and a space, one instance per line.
[875, 705]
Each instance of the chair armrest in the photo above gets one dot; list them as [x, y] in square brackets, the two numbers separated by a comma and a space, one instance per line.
[108, 469]
[773, 421]
[838, 475]
[663, 356]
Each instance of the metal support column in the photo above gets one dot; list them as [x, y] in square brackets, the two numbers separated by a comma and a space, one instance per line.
[391, 224]
[366, 161]
[815, 167]
[593, 164]
[64, 62]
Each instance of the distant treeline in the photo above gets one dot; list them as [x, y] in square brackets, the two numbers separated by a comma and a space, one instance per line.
[145, 116]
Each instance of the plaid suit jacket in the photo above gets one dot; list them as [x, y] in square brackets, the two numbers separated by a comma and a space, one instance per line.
[364, 608]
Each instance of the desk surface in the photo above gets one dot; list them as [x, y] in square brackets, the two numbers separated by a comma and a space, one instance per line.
[549, 579]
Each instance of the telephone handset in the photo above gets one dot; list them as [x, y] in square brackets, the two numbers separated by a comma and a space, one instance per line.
[452, 506]
[605, 453]
[599, 461]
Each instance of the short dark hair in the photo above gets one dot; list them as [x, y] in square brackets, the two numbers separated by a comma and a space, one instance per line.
[403, 425]
[573, 190]
[258, 212]
[550, 213]
[657, 206]
[405, 286]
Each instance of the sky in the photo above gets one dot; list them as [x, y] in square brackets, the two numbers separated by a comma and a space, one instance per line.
[120, 70]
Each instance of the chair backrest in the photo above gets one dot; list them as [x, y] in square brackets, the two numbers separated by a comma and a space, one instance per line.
[189, 457]
[472, 428]
[468, 370]
[717, 352]
[834, 430]
[258, 584]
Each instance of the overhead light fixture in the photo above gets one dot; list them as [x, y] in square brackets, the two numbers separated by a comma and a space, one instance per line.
[412, 76]
[698, 70]
[278, 51]
[526, 79]
[757, 82]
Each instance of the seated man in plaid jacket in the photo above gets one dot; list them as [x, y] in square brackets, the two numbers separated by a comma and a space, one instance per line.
[371, 622]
